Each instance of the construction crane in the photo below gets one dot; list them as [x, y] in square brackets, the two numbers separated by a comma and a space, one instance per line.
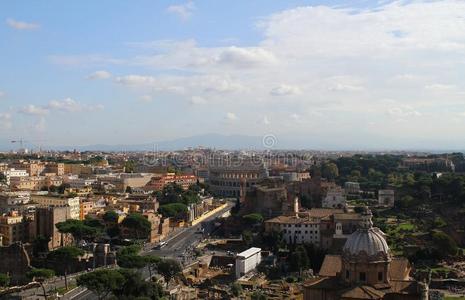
[21, 142]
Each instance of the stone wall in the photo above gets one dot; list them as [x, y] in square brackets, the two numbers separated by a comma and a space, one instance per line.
[15, 261]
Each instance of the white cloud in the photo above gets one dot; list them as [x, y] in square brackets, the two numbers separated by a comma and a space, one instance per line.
[231, 116]
[99, 75]
[440, 87]
[2, 94]
[84, 60]
[20, 25]
[165, 83]
[181, 84]
[220, 84]
[65, 105]
[404, 111]
[70, 105]
[285, 90]
[338, 32]
[343, 83]
[198, 100]
[246, 57]
[345, 87]
[33, 110]
[5, 121]
[183, 11]
[187, 55]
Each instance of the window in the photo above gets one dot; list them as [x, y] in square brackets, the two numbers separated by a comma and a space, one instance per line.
[380, 276]
[362, 277]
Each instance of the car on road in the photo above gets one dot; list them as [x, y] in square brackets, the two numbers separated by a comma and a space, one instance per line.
[160, 245]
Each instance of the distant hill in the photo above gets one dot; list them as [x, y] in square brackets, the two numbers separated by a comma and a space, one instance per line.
[208, 140]
[218, 141]
[239, 142]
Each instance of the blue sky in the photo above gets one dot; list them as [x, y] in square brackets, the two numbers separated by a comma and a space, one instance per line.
[340, 74]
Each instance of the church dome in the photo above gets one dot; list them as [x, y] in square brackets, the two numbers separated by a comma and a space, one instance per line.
[367, 241]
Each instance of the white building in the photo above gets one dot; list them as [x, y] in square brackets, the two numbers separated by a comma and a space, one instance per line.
[297, 230]
[14, 173]
[352, 188]
[386, 198]
[10, 201]
[335, 198]
[247, 261]
[73, 203]
[80, 183]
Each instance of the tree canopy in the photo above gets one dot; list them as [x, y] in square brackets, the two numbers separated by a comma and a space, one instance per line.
[174, 193]
[173, 210]
[4, 280]
[138, 224]
[110, 216]
[121, 283]
[78, 229]
[329, 171]
[169, 268]
[101, 282]
[253, 218]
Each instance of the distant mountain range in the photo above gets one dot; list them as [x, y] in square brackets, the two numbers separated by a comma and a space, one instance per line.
[242, 142]
[218, 141]
[208, 140]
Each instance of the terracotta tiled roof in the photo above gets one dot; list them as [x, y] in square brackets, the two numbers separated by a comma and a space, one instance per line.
[347, 216]
[332, 265]
[323, 283]
[399, 269]
[292, 220]
[363, 292]
[323, 212]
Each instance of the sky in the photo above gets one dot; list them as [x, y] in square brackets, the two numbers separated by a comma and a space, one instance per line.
[329, 74]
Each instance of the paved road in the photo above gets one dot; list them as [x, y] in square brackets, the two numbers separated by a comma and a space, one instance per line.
[50, 286]
[178, 247]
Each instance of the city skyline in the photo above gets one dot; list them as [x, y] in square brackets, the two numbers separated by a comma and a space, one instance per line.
[314, 74]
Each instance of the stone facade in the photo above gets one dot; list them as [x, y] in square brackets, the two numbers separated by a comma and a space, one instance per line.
[46, 218]
[229, 177]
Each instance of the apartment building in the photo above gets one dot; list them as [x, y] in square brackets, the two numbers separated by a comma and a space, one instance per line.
[77, 169]
[296, 230]
[33, 168]
[85, 207]
[12, 229]
[29, 183]
[73, 204]
[14, 201]
[158, 182]
[318, 226]
[9, 173]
